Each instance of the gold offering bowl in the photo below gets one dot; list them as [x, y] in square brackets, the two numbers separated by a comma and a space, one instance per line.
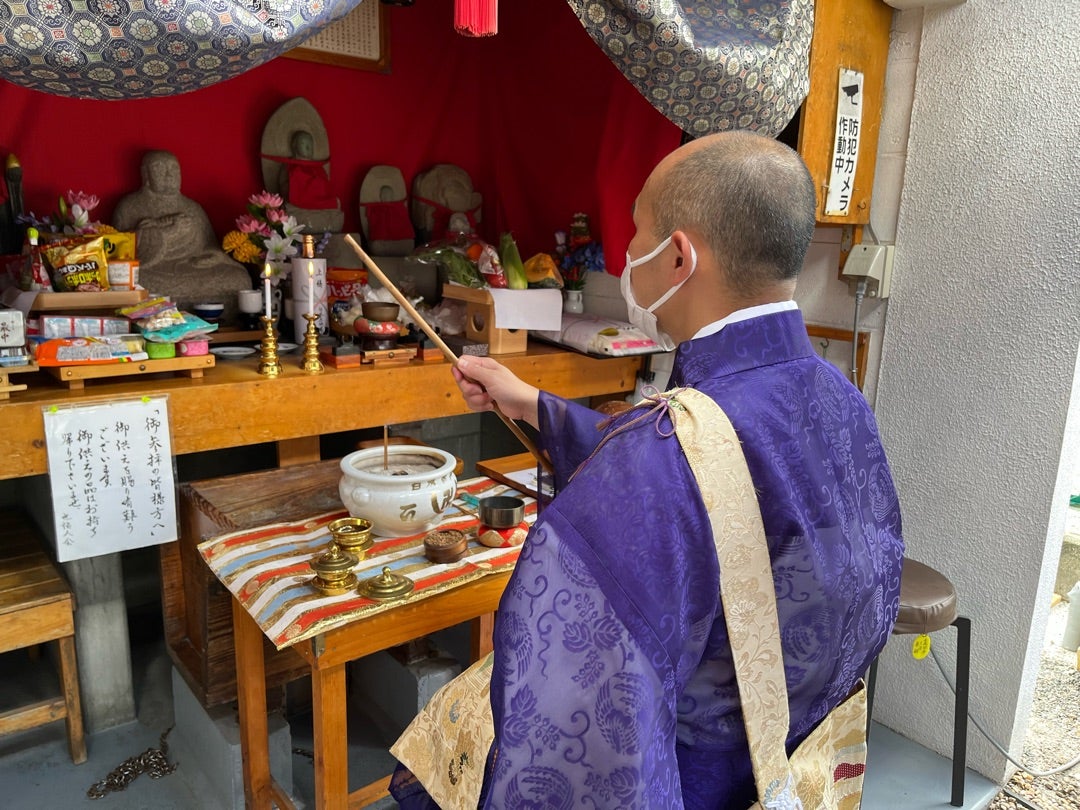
[352, 534]
[333, 570]
[386, 586]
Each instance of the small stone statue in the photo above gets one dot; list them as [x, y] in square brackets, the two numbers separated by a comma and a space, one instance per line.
[179, 254]
[304, 180]
[296, 165]
[443, 200]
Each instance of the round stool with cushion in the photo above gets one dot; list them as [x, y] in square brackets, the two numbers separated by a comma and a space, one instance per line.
[928, 603]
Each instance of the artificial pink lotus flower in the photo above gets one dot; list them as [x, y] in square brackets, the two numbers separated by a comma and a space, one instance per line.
[264, 199]
[246, 223]
[87, 202]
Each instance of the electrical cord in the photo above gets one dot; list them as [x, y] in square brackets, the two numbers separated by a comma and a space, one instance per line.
[860, 293]
[1072, 763]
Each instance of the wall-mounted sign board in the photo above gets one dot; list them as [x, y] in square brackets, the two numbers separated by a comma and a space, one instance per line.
[111, 476]
[845, 156]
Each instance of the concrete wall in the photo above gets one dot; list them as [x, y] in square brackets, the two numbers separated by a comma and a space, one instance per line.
[979, 355]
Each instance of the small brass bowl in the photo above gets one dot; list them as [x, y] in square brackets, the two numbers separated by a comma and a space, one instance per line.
[337, 587]
[334, 565]
[352, 534]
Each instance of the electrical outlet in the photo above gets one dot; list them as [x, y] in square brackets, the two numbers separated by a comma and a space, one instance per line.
[873, 263]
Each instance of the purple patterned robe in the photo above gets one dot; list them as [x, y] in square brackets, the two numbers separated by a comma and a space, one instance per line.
[613, 684]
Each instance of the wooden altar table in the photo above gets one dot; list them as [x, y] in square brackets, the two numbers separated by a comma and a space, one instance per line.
[265, 569]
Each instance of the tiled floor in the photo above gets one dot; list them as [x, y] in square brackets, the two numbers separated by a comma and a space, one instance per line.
[36, 772]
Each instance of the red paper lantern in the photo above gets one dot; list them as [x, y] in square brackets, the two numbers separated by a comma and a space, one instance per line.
[476, 18]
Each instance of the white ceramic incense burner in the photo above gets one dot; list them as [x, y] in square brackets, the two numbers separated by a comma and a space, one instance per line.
[406, 495]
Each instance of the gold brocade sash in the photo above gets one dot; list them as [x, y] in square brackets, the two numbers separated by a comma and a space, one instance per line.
[826, 770]
[447, 744]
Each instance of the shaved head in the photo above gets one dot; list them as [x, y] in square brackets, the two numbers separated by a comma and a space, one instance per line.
[752, 199]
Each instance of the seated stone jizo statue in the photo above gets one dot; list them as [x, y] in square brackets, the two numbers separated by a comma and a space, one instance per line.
[178, 251]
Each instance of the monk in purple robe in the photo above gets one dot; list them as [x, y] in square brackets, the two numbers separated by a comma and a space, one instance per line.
[613, 684]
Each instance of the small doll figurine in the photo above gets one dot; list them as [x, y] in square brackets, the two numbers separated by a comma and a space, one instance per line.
[579, 231]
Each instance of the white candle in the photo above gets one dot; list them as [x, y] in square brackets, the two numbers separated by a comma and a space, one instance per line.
[311, 287]
[266, 289]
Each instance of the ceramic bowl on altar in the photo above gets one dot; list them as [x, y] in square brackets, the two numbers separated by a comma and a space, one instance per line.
[209, 311]
[404, 495]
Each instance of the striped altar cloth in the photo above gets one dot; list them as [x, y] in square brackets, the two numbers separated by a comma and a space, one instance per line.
[268, 568]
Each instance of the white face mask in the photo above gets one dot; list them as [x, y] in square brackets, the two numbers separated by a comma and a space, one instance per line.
[645, 319]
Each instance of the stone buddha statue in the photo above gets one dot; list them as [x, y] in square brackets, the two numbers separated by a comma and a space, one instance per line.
[296, 165]
[443, 200]
[179, 254]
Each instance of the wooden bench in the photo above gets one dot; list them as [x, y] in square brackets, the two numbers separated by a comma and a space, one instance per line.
[36, 606]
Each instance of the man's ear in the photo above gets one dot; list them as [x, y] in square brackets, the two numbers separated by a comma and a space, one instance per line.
[684, 257]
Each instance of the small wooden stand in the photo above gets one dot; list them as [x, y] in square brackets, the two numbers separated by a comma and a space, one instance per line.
[6, 386]
[480, 321]
[388, 357]
[78, 301]
[75, 377]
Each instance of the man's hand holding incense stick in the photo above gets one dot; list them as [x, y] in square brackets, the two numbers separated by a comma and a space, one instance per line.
[484, 381]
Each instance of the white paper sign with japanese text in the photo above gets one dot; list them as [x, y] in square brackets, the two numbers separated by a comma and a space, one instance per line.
[845, 157]
[111, 476]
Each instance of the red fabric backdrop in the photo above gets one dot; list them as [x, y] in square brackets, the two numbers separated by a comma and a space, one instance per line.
[538, 116]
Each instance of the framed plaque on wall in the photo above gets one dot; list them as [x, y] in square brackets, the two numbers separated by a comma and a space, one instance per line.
[359, 40]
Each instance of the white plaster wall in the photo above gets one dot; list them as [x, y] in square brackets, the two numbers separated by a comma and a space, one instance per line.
[980, 350]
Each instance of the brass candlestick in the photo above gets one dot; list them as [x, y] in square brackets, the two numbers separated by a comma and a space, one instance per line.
[269, 364]
[311, 362]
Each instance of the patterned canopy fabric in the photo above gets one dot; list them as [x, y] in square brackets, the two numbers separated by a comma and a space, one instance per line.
[122, 49]
[712, 65]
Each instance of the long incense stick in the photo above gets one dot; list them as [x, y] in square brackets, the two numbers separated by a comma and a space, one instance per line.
[448, 353]
[385, 447]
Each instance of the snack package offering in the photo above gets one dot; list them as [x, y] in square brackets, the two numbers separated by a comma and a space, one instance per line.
[491, 268]
[79, 267]
[119, 247]
[80, 326]
[144, 309]
[34, 276]
[123, 274]
[83, 351]
[162, 319]
[188, 326]
[342, 284]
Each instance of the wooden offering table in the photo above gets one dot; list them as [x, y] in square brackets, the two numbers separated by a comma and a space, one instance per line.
[267, 571]
[233, 406]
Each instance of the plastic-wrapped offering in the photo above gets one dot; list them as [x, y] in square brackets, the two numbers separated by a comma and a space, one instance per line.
[81, 266]
[33, 275]
[188, 326]
[147, 308]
